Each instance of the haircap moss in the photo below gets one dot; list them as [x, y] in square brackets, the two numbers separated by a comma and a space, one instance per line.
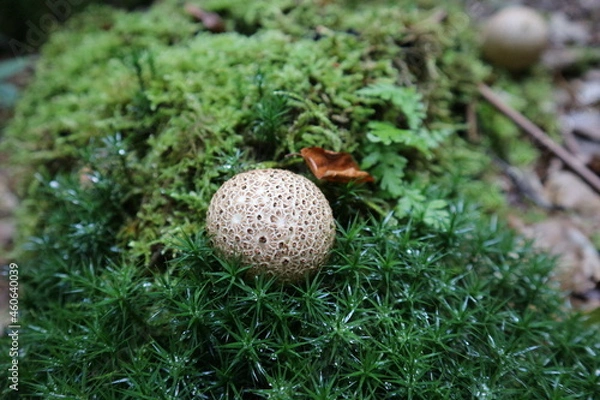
[275, 220]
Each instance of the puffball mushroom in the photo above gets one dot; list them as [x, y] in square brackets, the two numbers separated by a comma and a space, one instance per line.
[277, 221]
[515, 38]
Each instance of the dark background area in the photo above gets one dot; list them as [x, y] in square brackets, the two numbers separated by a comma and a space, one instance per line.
[28, 22]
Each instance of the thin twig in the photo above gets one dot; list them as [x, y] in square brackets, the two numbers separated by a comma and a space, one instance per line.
[472, 131]
[521, 121]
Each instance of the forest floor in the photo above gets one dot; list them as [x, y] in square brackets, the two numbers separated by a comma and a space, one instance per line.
[568, 208]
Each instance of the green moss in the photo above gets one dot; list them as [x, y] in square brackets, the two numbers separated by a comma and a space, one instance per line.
[530, 95]
[182, 101]
[133, 122]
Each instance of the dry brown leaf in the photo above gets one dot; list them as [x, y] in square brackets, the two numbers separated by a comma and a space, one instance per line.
[567, 190]
[333, 166]
[564, 31]
[578, 263]
[585, 122]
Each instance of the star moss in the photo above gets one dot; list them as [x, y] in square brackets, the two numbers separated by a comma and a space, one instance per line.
[135, 119]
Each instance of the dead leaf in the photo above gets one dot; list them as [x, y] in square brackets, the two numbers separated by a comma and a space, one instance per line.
[583, 122]
[567, 190]
[578, 262]
[564, 31]
[588, 93]
[211, 21]
[333, 166]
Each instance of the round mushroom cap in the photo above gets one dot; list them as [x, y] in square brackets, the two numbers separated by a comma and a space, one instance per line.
[274, 220]
[515, 37]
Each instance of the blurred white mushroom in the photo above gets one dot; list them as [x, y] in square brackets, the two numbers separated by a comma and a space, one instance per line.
[515, 37]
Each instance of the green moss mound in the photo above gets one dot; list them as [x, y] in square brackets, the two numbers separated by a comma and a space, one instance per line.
[189, 108]
[133, 122]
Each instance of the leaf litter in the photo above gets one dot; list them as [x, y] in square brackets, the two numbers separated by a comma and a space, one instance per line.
[570, 226]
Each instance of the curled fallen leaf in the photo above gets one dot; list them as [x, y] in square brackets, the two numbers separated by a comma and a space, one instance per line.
[333, 166]
[211, 21]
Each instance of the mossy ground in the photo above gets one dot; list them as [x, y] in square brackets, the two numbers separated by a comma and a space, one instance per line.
[135, 119]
